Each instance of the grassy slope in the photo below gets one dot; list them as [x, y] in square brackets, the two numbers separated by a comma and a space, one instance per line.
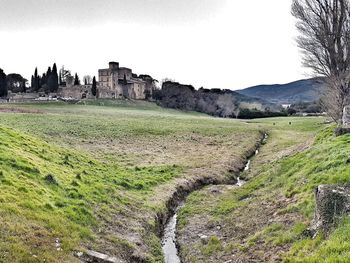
[35, 211]
[109, 163]
[264, 219]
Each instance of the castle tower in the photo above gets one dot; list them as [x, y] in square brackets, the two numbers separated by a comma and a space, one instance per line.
[114, 74]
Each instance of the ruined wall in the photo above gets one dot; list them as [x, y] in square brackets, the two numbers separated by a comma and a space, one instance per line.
[76, 92]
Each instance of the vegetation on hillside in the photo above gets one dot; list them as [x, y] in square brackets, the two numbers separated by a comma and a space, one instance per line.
[215, 102]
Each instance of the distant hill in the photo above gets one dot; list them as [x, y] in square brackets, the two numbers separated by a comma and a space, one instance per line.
[307, 90]
[239, 97]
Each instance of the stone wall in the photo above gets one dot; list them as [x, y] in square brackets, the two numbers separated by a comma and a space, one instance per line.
[76, 92]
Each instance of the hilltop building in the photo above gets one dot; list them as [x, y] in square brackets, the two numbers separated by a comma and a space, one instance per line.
[114, 82]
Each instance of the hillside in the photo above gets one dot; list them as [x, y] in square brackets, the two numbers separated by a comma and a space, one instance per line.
[239, 98]
[307, 90]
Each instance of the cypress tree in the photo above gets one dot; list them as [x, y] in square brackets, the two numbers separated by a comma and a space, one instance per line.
[48, 73]
[43, 80]
[76, 80]
[3, 84]
[38, 83]
[35, 84]
[24, 88]
[52, 79]
[48, 81]
[94, 87]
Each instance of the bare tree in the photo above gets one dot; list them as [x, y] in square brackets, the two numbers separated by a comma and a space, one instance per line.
[324, 26]
[226, 105]
[63, 75]
[87, 80]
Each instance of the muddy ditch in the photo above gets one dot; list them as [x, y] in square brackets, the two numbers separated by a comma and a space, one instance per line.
[167, 221]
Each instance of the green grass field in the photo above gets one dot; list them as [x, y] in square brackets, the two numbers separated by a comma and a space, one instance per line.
[97, 175]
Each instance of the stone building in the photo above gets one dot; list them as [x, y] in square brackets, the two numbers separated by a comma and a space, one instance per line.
[120, 82]
[69, 90]
[113, 83]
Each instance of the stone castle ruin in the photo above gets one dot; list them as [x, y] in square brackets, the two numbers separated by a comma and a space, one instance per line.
[69, 90]
[114, 82]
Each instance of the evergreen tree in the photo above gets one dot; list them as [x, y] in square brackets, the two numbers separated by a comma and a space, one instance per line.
[3, 84]
[52, 79]
[43, 80]
[94, 87]
[48, 73]
[76, 80]
[24, 88]
[36, 82]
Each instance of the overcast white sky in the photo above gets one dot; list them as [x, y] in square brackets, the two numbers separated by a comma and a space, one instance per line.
[227, 44]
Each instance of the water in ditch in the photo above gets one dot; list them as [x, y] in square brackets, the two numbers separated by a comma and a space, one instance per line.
[170, 250]
[169, 240]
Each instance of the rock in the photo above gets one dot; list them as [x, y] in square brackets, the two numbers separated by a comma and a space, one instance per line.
[93, 256]
[332, 202]
[341, 131]
[204, 239]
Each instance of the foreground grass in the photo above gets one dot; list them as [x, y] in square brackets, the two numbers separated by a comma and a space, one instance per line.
[95, 176]
[50, 193]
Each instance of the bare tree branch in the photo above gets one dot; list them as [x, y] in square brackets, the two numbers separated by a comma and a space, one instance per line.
[324, 27]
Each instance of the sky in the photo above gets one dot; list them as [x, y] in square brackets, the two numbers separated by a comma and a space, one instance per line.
[227, 44]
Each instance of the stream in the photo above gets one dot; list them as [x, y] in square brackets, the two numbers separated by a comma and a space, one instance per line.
[170, 250]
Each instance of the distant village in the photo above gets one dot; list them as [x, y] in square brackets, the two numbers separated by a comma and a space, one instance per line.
[114, 82]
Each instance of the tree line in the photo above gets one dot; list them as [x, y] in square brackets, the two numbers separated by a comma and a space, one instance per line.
[215, 102]
[12, 82]
[48, 82]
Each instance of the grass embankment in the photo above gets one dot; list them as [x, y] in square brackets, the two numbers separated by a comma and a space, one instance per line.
[50, 193]
[95, 176]
[264, 220]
